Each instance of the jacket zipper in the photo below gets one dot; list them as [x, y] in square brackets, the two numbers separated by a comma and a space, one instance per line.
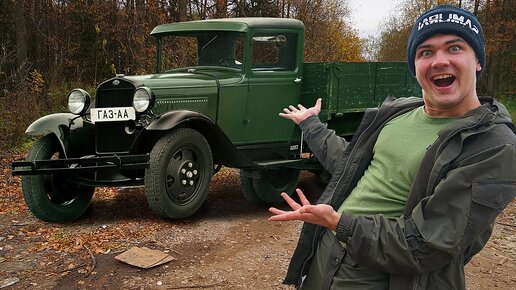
[312, 252]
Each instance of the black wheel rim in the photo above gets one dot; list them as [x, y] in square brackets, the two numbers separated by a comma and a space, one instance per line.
[183, 175]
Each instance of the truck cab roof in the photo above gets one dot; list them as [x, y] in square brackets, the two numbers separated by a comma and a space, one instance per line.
[243, 24]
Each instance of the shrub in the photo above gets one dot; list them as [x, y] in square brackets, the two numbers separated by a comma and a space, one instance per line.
[19, 109]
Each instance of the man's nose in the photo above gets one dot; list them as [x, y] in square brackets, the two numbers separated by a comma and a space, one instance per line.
[441, 59]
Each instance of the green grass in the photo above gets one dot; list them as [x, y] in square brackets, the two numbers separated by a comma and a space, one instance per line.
[510, 103]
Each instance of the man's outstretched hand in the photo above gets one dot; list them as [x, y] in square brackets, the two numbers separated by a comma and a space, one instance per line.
[300, 113]
[320, 214]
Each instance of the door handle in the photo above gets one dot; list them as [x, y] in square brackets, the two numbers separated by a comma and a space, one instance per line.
[297, 80]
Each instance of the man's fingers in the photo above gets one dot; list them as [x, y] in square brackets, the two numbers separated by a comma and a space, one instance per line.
[274, 210]
[302, 197]
[287, 111]
[292, 108]
[287, 216]
[301, 107]
[293, 204]
[286, 116]
[307, 209]
[318, 105]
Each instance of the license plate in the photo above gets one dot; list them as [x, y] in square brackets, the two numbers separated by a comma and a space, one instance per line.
[112, 114]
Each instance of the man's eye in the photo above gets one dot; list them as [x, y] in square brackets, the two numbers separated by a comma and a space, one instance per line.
[426, 53]
[454, 48]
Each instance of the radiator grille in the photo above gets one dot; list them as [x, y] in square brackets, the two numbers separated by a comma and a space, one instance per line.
[111, 137]
[109, 95]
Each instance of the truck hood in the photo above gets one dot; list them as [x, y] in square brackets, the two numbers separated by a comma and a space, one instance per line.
[198, 78]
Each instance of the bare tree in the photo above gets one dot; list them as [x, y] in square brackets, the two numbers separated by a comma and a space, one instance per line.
[13, 72]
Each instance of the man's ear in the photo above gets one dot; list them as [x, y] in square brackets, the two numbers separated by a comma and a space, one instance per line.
[479, 67]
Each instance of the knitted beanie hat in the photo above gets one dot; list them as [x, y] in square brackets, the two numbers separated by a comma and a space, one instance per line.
[447, 19]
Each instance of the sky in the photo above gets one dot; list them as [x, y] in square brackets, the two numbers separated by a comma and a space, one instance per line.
[367, 15]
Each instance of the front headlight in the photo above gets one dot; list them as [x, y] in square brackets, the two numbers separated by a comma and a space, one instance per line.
[78, 101]
[143, 99]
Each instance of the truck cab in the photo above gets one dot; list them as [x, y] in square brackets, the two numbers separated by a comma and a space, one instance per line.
[253, 64]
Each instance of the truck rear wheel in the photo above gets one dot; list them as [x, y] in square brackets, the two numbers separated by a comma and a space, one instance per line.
[246, 183]
[51, 197]
[266, 186]
[178, 178]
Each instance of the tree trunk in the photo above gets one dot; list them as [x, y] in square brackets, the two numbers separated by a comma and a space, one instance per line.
[475, 10]
[181, 10]
[221, 9]
[491, 70]
[21, 33]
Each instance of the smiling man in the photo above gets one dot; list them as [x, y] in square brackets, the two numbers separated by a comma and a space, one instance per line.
[446, 68]
[416, 192]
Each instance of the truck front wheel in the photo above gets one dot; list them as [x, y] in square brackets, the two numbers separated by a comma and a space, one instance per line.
[51, 197]
[178, 178]
[266, 186]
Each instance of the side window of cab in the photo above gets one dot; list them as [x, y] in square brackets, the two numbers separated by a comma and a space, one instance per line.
[274, 52]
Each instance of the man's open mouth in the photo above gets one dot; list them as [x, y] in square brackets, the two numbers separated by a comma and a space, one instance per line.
[443, 80]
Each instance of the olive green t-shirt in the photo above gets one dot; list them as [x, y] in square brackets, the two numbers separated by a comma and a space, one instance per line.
[401, 145]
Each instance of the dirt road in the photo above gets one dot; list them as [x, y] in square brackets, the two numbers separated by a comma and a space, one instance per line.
[228, 245]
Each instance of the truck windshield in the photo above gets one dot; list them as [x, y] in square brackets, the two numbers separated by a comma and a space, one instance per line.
[214, 49]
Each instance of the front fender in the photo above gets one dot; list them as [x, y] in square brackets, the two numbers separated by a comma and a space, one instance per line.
[58, 124]
[172, 119]
[222, 148]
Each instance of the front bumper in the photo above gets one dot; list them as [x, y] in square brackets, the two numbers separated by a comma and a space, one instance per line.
[81, 165]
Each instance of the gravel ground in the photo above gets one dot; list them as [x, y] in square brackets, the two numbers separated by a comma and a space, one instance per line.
[228, 244]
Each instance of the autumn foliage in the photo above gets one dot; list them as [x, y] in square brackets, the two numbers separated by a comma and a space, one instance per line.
[89, 41]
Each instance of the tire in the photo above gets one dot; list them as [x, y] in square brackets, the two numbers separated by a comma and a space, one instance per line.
[182, 155]
[267, 185]
[50, 197]
[246, 183]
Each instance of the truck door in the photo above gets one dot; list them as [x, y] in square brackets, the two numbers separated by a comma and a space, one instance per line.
[274, 83]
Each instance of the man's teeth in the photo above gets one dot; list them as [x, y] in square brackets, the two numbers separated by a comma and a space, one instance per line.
[439, 77]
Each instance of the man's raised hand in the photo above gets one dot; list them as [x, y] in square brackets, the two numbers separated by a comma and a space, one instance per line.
[301, 113]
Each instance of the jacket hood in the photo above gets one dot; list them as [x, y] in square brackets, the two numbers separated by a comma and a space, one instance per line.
[490, 112]
[502, 114]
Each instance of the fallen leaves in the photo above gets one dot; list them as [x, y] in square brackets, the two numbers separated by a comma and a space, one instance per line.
[63, 240]
[11, 200]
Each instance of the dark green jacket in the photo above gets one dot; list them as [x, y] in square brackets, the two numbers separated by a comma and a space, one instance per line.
[466, 178]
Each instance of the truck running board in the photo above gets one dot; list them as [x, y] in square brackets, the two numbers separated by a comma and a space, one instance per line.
[302, 163]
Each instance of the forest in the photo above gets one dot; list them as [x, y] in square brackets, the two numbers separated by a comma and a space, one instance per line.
[48, 47]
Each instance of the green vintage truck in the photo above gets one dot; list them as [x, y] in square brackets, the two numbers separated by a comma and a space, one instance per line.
[213, 101]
